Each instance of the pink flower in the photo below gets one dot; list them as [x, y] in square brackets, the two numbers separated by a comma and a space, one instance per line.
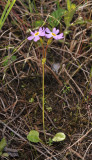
[36, 35]
[53, 34]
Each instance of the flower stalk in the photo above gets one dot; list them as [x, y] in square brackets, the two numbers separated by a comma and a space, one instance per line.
[42, 32]
[43, 62]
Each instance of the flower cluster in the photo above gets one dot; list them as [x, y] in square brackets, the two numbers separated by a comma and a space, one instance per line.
[46, 33]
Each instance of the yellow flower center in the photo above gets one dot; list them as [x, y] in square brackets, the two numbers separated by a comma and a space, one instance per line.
[36, 34]
[53, 34]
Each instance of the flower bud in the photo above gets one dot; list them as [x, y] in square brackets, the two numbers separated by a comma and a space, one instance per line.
[49, 41]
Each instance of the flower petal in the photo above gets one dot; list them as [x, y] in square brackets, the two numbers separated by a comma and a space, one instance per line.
[47, 30]
[55, 37]
[41, 29]
[42, 33]
[36, 38]
[48, 35]
[30, 38]
[32, 33]
[57, 31]
[60, 36]
[35, 32]
[54, 30]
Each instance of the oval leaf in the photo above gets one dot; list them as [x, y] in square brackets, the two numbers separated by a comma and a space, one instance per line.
[3, 143]
[59, 137]
[33, 136]
[5, 155]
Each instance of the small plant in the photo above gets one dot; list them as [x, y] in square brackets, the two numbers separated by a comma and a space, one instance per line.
[3, 144]
[33, 136]
[56, 16]
[66, 89]
[50, 142]
[7, 60]
[35, 36]
[49, 109]
[31, 100]
[71, 8]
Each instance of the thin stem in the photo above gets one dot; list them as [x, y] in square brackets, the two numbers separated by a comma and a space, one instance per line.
[43, 50]
[43, 96]
[43, 62]
[46, 50]
[42, 46]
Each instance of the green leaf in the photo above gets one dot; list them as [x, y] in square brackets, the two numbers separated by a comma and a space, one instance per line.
[68, 5]
[13, 58]
[2, 144]
[5, 59]
[73, 6]
[50, 142]
[33, 136]
[8, 60]
[38, 23]
[69, 15]
[66, 32]
[49, 109]
[31, 6]
[5, 155]
[80, 20]
[56, 16]
[91, 73]
[31, 100]
[58, 4]
[67, 19]
[1, 153]
[59, 137]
